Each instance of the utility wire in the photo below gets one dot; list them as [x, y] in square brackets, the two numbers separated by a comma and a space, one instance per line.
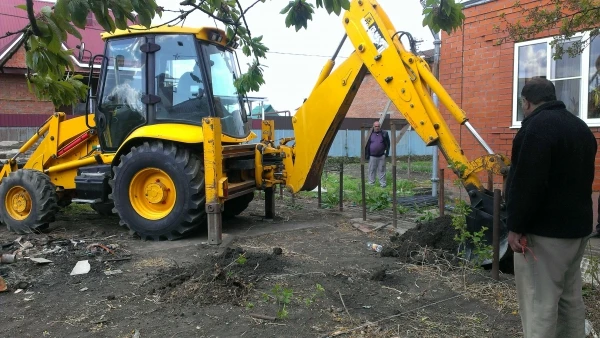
[301, 54]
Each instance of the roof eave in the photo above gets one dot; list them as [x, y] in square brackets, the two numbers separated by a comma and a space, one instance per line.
[11, 50]
[473, 3]
[14, 47]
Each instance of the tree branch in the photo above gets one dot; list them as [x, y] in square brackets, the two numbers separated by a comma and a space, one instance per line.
[225, 21]
[31, 16]
[247, 28]
[237, 22]
[15, 33]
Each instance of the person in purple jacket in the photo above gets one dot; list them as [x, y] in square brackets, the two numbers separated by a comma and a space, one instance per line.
[376, 151]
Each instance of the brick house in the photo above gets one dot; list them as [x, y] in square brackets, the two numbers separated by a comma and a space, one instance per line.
[20, 110]
[485, 79]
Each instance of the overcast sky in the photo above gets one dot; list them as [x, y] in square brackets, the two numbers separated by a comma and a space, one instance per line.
[296, 58]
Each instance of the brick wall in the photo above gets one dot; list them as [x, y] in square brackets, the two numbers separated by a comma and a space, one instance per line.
[370, 100]
[15, 97]
[17, 60]
[478, 74]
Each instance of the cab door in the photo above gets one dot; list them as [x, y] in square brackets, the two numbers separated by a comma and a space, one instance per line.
[121, 109]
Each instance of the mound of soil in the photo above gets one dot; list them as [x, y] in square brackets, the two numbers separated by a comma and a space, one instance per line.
[227, 278]
[428, 242]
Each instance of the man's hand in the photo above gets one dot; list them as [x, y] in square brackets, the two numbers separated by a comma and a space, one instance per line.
[513, 241]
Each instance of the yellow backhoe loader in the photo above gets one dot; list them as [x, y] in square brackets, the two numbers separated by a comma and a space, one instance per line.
[164, 141]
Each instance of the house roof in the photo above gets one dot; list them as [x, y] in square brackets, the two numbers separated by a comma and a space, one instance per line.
[266, 108]
[13, 19]
[427, 54]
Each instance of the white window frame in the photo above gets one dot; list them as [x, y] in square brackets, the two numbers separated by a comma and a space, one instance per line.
[585, 74]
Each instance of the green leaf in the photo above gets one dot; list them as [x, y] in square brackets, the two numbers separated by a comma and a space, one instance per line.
[23, 7]
[345, 4]
[287, 7]
[67, 27]
[299, 14]
[443, 15]
[61, 9]
[79, 13]
[337, 8]
[44, 29]
[55, 28]
[120, 19]
[145, 18]
[46, 11]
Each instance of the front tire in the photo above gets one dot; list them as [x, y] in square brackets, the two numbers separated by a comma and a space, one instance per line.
[29, 201]
[158, 191]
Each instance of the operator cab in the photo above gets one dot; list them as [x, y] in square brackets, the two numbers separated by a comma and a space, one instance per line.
[167, 75]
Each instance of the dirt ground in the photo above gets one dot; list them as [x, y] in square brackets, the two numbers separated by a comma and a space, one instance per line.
[308, 273]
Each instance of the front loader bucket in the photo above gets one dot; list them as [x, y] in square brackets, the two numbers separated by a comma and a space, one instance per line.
[481, 215]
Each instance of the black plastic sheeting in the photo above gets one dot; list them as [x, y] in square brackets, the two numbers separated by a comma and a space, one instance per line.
[418, 201]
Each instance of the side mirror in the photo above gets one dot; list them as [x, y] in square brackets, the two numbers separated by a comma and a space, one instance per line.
[81, 51]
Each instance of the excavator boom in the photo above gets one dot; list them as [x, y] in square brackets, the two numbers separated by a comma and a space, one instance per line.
[403, 76]
[407, 81]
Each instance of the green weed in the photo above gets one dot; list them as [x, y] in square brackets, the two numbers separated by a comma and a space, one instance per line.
[283, 297]
[241, 260]
[427, 216]
[319, 292]
[480, 251]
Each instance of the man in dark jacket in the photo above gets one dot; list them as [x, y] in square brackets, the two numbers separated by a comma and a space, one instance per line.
[598, 221]
[550, 212]
[376, 150]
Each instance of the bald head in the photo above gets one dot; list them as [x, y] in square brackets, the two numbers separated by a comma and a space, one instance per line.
[536, 92]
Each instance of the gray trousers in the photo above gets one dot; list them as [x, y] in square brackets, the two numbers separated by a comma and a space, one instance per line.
[549, 288]
[377, 166]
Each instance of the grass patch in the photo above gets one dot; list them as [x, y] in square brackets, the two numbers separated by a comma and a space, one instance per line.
[377, 198]
[415, 166]
[77, 208]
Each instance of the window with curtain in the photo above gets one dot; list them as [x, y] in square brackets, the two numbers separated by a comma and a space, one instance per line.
[576, 78]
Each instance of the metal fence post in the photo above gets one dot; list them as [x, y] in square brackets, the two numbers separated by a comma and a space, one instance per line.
[441, 202]
[319, 194]
[394, 175]
[362, 172]
[496, 235]
[342, 185]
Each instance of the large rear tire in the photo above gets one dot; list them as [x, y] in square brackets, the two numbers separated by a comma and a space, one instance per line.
[158, 191]
[29, 201]
[236, 206]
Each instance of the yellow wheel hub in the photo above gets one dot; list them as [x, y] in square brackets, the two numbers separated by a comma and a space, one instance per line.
[18, 203]
[152, 193]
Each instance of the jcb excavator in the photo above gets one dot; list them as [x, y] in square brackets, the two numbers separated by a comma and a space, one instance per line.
[164, 143]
